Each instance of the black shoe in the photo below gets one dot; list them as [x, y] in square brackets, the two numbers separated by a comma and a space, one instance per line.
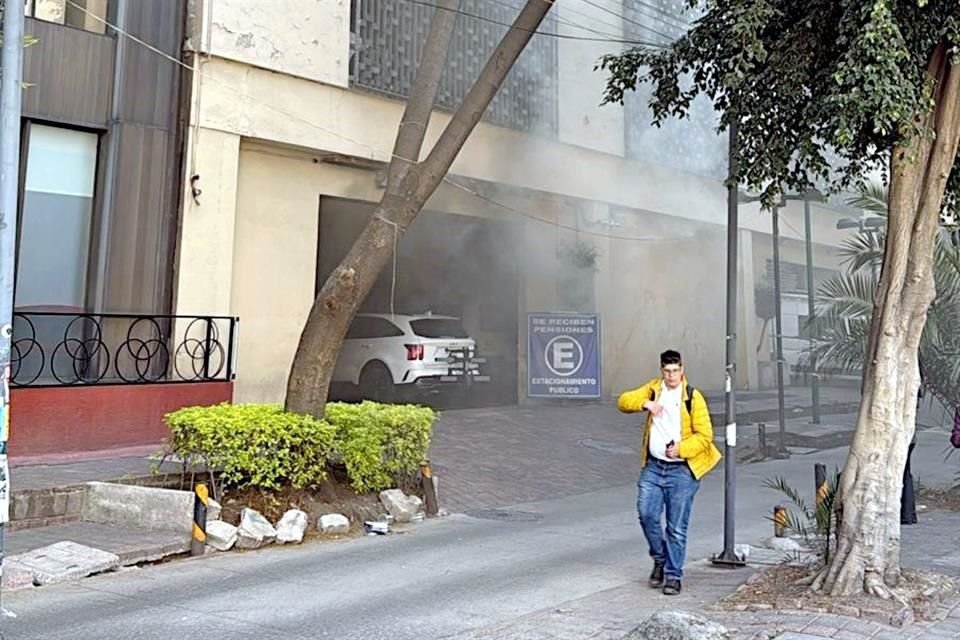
[656, 576]
[672, 587]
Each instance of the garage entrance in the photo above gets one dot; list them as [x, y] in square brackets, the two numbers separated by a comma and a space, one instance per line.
[447, 264]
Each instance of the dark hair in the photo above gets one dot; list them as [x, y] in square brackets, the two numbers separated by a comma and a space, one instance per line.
[670, 357]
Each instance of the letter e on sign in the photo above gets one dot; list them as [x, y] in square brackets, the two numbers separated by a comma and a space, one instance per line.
[564, 356]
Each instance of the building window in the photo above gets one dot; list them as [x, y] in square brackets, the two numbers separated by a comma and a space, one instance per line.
[388, 37]
[56, 216]
[82, 14]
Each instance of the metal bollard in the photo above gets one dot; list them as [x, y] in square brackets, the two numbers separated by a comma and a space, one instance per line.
[780, 521]
[199, 543]
[820, 484]
[429, 491]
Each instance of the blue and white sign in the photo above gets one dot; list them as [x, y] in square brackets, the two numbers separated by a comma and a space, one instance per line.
[563, 357]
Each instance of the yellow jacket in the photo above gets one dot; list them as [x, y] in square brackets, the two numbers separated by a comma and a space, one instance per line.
[696, 431]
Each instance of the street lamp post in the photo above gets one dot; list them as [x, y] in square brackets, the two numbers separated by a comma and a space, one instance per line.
[806, 196]
[728, 557]
[11, 65]
[811, 309]
[778, 327]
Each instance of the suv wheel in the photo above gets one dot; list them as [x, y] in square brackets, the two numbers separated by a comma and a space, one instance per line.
[376, 383]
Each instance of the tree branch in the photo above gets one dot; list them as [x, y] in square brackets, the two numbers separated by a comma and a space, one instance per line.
[436, 165]
[423, 93]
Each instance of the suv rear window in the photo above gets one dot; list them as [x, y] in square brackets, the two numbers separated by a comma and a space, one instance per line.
[438, 328]
[365, 327]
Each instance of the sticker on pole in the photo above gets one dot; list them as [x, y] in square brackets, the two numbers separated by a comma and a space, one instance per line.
[4, 490]
[563, 355]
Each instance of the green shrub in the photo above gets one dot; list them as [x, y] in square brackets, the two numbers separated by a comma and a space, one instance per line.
[253, 445]
[264, 446]
[379, 443]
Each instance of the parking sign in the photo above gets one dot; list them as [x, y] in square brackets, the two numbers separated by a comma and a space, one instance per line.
[563, 355]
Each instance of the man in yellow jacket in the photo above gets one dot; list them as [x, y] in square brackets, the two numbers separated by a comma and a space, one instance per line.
[677, 451]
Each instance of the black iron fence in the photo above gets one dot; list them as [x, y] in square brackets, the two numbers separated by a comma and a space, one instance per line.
[76, 349]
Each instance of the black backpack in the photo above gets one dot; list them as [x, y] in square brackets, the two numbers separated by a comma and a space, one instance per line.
[688, 402]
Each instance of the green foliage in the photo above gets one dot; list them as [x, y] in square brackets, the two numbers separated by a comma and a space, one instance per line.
[817, 525]
[379, 443]
[264, 446]
[822, 91]
[845, 306]
[580, 255]
[253, 445]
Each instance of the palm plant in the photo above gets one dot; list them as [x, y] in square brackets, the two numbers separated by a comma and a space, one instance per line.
[845, 304]
[817, 525]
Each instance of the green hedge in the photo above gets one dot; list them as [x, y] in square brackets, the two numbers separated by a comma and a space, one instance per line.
[379, 443]
[264, 446]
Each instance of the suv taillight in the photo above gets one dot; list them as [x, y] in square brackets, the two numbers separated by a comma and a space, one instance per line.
[414, 351]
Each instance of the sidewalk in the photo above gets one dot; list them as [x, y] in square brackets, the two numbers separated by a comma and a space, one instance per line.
[611, 614]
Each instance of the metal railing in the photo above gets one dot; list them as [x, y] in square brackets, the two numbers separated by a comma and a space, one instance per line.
[78, 349]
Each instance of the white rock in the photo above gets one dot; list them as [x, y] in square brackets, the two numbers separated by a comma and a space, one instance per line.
[254, 531]
[677, 625]
[221, 535]
[333, 524]
[787, 545]
[213, 510]
[402, 507]
[292, 526]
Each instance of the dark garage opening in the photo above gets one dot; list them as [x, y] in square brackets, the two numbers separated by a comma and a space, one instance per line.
[447, 264]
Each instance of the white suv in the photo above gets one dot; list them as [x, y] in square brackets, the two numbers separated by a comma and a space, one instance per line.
[384, 354]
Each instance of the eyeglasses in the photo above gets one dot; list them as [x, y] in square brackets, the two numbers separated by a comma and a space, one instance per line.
[672, 371]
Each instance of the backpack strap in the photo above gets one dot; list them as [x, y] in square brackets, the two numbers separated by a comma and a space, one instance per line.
[689, 400]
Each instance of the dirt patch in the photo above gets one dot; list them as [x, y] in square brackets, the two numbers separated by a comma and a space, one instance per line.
[944, 499]
[784, 588]
[334, 495]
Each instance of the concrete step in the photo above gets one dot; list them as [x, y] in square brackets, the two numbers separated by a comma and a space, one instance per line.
[32, 508]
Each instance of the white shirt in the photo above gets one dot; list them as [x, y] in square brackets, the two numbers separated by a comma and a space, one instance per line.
[666, 426]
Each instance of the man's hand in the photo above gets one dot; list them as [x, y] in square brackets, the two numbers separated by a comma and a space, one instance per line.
[673, 451]
[653, 407]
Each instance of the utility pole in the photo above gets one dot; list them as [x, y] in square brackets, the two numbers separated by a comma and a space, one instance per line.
[811, 310]
[728, 557]
[11, 80]
[778, 323]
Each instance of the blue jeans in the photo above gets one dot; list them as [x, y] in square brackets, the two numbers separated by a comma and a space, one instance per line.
[670, 486]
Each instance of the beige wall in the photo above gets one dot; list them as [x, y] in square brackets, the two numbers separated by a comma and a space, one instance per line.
[287, 110]
[305, 38]
[291, 111]
[583, 122]
[205, 246]
[274, 261]
[667, 294]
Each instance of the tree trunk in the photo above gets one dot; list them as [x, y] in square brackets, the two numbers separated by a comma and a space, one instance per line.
[410, 184]
[867, 557]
